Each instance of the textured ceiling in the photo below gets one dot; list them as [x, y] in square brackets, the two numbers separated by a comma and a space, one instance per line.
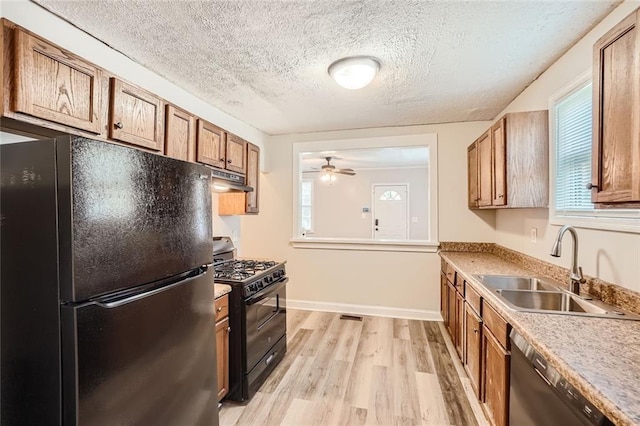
[265, 61]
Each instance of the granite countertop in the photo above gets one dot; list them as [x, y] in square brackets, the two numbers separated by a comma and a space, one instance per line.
[221, 289]
[599, 356]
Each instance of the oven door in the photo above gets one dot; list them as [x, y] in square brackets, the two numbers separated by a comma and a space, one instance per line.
[266, 321]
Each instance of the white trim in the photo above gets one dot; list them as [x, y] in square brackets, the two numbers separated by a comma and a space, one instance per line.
[429, 140]
[621, 220]
[365, 245]
[377, 311]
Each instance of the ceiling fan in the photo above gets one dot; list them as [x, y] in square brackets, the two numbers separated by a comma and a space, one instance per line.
[330, 168]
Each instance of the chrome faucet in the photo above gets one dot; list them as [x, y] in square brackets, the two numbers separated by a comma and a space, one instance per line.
[575, 277]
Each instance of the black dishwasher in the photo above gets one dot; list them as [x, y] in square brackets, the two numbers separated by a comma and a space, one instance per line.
[539, 395]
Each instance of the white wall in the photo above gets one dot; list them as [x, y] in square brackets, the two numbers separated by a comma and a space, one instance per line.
[611, 256]
[338, 207]
[403, 281]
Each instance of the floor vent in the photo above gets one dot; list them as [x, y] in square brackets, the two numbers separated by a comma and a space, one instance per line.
[351, 317]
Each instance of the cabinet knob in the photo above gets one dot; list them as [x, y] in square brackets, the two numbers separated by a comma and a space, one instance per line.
[118, 125]
[501, 196]
[222, 159]
[219, 308]
[229, 161]
[591, 186]
[228, 329]
[475, 330]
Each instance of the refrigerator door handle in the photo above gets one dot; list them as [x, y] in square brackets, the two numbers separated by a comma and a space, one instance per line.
[144, 294]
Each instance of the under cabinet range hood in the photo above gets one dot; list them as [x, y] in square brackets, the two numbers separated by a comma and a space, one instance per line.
[224, 181]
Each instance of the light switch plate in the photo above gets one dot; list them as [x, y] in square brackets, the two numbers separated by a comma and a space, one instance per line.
[534, 235]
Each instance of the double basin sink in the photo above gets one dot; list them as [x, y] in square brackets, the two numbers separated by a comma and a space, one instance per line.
[533, 294]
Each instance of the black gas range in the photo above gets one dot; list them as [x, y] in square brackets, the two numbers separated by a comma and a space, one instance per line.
[257, 314]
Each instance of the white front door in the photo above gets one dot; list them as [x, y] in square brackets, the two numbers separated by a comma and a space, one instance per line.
[390, 212]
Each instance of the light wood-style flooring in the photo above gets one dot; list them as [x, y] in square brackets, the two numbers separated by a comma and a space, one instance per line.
[378, 371]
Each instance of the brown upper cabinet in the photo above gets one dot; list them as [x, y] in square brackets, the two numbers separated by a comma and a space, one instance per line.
[211, 144]
[180, 134]
[243, 203]
[511, 162]
[135, 116]
[616, 115]
[485, 170]
[472, 175]
[236, 154]
[50, 83]
[253, 177]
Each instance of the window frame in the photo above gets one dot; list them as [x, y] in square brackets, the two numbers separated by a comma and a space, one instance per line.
[428, 140]
[622, 220]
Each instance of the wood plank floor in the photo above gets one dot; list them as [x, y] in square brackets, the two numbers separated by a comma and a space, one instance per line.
[378, 371]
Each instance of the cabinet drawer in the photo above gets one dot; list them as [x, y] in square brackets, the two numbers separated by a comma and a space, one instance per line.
[473, 298]
[496, 324]
[222, 307]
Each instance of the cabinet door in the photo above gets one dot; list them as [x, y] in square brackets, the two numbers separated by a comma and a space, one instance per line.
[211, 142]
[495, 379]
[253, 177]
[452, 321]
[54, 85]
[135, 116]
[444, 300]
[459, 338]
[222, 354]
[499, 165]
[473, 347]
[616, 113]
[236, 154]
[484, 169]
[180, 134]
[472, 175]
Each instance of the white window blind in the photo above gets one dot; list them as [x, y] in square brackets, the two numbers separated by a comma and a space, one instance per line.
[573, 151]
[306, 206]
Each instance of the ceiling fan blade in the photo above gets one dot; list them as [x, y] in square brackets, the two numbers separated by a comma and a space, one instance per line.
[348, 172]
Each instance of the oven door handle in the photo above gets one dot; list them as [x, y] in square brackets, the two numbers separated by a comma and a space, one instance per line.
[265, 292]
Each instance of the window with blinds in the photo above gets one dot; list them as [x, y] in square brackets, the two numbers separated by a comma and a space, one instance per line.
[306, 206]
[571, 141]
[573, 136]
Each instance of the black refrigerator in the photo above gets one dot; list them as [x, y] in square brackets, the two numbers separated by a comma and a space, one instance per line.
[106, 305]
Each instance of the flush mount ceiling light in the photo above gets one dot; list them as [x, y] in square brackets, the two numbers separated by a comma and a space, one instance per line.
[355, 72]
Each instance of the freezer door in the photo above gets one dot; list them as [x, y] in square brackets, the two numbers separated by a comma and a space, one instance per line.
[128, 217]
[149, 359]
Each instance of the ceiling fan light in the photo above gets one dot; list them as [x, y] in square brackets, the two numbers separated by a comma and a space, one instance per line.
[328, 177]
[355, 72]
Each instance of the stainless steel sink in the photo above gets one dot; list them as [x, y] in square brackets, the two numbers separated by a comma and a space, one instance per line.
[535, 294]
[509, 282]
[549, 301]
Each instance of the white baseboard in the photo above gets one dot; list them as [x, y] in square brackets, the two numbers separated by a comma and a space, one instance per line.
[377, 311]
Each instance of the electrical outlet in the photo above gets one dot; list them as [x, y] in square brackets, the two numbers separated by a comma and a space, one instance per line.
[534, 235]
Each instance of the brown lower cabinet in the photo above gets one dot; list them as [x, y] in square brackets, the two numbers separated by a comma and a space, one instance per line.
[473, 348]
[495, 379]
[222, 345]
[481, 338]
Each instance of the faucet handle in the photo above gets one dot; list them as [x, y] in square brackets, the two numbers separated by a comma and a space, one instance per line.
[582, 278]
